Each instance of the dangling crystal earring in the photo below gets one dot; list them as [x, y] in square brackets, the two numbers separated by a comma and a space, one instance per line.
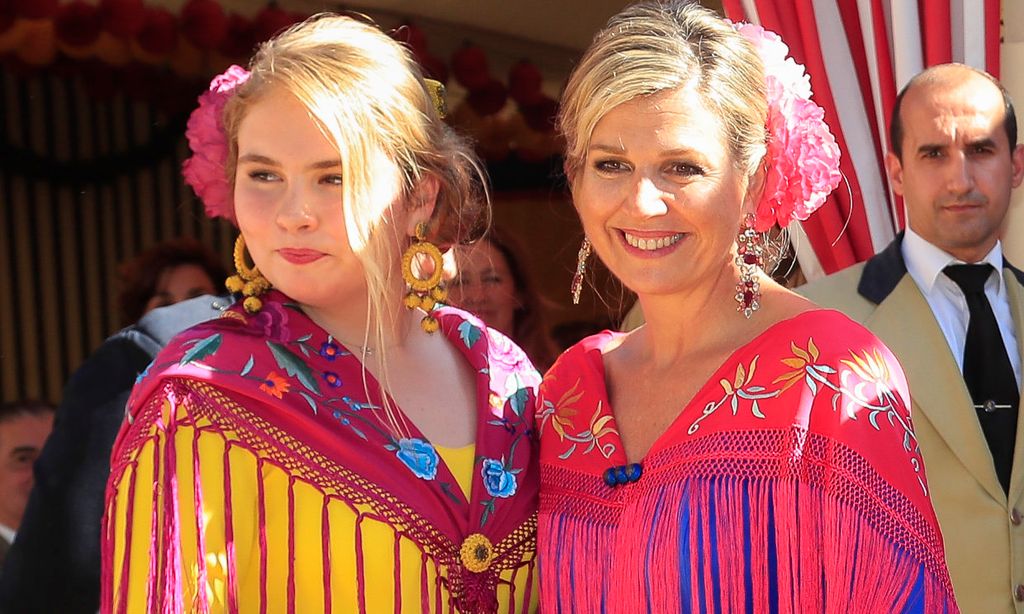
[581, 267]
[249, 281]
[423, 293]
[750, 259]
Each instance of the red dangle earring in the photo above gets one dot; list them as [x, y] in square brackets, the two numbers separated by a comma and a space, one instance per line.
[750, 260]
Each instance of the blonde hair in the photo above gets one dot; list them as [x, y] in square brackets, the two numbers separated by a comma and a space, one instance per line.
[653, 47]
[368, 96]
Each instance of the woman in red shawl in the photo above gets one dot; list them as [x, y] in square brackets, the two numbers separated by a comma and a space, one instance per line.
[342, 442]
[744, 450]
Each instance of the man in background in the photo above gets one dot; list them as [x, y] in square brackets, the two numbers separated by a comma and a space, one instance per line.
[946, 302]
[54, 564]
[24, 427]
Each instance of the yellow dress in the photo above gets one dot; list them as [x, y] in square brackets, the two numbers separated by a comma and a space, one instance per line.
[264, 586]
[255, 474]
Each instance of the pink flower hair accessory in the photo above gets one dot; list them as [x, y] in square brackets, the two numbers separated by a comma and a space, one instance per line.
[205, 171]
[802, 154]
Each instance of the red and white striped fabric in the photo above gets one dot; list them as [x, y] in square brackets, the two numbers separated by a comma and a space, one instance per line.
[859, 53]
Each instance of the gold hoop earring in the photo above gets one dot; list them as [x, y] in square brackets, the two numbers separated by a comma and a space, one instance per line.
[423, 293]
[581, 268]
[249, 281]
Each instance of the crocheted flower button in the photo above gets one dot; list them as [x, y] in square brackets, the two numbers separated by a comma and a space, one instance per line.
[477, 553]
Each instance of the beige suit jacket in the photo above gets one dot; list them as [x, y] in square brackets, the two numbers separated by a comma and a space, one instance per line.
[981, 526]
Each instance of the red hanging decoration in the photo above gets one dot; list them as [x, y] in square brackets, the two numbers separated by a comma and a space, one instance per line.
[204, 24]
[78, 24]
[270, 21]
[122, 18]
[34, 9]
[524, 83]
[469, 66]
[159, 33]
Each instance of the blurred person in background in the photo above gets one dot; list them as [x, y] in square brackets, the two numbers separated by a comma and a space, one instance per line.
[167, 273]
[489, 278]
[24, 427]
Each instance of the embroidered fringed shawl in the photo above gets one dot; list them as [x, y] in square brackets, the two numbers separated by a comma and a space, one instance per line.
[791, 482]
[255, 474]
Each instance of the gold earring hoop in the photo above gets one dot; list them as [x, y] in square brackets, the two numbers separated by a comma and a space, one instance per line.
[248, 280]
[423, 293]
[581, 269]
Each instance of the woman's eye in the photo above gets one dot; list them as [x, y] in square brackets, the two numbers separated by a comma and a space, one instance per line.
[263, 176]
[611, 166]
[334, 179]
[685, 169]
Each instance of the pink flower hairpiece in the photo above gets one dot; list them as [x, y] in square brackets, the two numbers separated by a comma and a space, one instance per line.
[205, 171]
[803, 158]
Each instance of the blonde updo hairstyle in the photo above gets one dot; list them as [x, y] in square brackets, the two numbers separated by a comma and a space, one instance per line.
[368, 95]
[653, 47]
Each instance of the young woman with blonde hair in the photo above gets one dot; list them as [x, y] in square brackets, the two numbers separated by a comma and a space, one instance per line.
[339, 441]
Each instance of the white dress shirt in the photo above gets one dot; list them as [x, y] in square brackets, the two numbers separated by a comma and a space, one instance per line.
[7, 533]
[925, 263]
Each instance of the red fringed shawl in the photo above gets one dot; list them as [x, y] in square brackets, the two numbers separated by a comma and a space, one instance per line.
[277, 386]
[791, 482]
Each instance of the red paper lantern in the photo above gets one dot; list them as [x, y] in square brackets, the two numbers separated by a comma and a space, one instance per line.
[524, 83]
[7, 15]
[433, 66]
[122, 18]
[78, 24]
[541, 115]
[469, 65]
[240, 40]
[489, 99]
[35, 9]
[270, 21]
[204, 24]
[159, 33]
[411, 35]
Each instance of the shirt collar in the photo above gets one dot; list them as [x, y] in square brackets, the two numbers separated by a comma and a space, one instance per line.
[7, 533]
[926, 261]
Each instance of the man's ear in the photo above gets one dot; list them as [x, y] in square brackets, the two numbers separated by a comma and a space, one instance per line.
[1017, 157]
[894, 168]
[422, 202]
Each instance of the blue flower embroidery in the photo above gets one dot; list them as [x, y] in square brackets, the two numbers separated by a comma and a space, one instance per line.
[419, 456]
[330, 350]
[332, 379]
[498, 481]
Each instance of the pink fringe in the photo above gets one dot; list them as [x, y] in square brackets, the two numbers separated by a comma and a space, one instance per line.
[325, 530]
[816, 535]
[229, 533]
[360, 571]
[261, 523]
[172, 600]
[397, 579]
[202, 603]
[291, 545]
[155, 537]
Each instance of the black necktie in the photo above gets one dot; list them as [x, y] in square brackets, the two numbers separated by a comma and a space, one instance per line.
[987, 370]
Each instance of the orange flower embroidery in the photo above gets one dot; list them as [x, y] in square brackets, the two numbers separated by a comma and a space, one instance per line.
[275, 385]
[799, 363]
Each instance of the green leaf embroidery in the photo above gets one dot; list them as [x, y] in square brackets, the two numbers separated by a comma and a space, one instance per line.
[518, 401]
[488, 510]
[469, 334]
[309, 399]
[202, 349]
[248, 366]
[294, 366]
[446, 488]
